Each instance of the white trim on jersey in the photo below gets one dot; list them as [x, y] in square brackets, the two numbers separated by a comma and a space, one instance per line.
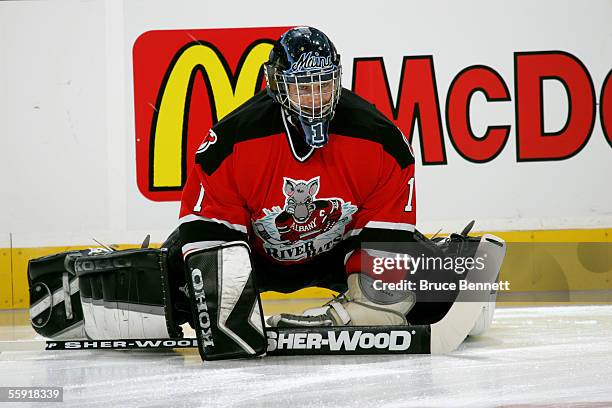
[193, 217]
[297, 157]
[390, 225]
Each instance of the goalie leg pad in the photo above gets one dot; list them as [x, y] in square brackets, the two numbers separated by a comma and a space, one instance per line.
[453, 328]
[125, 294]
[225, 302]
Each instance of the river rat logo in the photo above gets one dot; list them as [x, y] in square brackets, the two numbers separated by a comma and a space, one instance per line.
[306, 225]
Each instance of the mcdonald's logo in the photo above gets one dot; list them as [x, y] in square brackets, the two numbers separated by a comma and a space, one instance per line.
[187, 80]
[184, 82]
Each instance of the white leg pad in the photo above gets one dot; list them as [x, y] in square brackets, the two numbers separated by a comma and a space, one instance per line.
[453, 328]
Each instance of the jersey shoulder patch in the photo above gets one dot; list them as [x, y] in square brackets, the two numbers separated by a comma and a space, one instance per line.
[258, 117]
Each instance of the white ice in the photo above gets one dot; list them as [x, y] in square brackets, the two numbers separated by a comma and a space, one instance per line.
[544, 356]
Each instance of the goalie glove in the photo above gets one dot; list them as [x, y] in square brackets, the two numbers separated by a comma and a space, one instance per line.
[354, 308]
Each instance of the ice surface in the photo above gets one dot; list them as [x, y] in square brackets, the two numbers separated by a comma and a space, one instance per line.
[544, 356]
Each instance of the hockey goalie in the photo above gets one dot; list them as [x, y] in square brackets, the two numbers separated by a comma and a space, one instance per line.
[304, 185]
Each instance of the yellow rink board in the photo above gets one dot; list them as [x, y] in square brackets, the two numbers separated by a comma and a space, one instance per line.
[6, 279]
[533, 267]
[567, 260]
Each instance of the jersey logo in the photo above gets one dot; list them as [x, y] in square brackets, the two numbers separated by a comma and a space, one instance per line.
[306, 225]
[209, 139]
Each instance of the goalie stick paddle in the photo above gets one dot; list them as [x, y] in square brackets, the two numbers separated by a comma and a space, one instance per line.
[349, 340]
[292, 341]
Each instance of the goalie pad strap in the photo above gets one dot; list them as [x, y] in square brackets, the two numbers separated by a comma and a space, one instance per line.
[225, 302]
[342, 313]
[55, 309]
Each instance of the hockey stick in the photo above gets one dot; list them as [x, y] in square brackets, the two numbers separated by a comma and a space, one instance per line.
[291, 341]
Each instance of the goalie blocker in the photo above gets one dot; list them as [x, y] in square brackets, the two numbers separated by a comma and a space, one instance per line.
[225, 302]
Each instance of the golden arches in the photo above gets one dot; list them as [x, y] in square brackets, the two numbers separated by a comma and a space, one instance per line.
[168, 132]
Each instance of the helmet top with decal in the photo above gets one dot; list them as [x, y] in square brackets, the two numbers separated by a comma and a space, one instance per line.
[303, 74]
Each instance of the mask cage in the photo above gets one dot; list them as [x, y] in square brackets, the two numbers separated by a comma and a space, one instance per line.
[312, 96]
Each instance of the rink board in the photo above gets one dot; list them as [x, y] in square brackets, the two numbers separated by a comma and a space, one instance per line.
[564, 273]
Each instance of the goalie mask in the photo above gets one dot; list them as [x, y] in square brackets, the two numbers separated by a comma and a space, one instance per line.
[303, 75]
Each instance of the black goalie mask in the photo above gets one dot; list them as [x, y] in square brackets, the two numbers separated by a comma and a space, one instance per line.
[303, 74]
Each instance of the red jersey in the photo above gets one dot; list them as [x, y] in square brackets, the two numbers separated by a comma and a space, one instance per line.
[254, 179]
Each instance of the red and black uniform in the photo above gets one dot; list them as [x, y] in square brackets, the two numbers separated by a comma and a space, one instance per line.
[303, 211]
